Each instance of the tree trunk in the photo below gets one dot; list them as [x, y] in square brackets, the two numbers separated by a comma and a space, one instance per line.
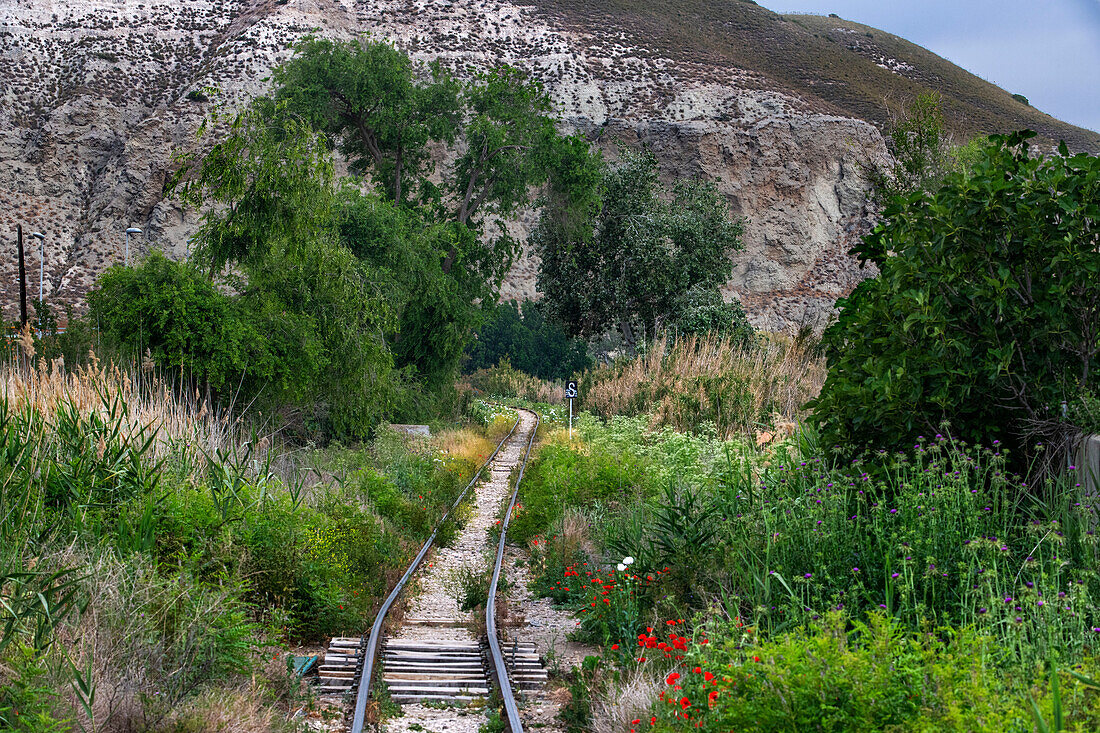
[628, 336]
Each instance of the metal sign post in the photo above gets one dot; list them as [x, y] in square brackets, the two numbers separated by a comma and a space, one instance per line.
[571, 394]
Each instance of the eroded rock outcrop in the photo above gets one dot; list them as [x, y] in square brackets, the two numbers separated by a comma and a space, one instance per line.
[96, 96]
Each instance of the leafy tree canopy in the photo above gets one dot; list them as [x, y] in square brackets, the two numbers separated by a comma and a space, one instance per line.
[186, 324]
[387, 113]
[435, 311]
[270, 178]
[702, 311]
[626, 257]
[987, 309]
[376, 103]
[319, 312]
[426, 229]
[529, 341]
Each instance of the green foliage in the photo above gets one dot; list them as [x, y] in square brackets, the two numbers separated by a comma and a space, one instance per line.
[561, 477]
[371, 98]
[269, 181]
[985, 309]
[839, 675]
[73, 344]
[626, 257]
[702, 311]
[27, 697]
[308, 325]
[386, 113]
[181, 564]
[470, 587]
[318, 308]
[435, 311]
[187, 325]
[920, 144]
[1021, 99]
[1083, 412]
[529, 341]
[586, 684]
[427, 238]
[943, 535]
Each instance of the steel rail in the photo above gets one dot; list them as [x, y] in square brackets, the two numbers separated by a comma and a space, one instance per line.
[515, 725]
[366, 676]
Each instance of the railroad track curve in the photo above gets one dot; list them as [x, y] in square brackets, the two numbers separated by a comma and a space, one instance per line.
[432, 660]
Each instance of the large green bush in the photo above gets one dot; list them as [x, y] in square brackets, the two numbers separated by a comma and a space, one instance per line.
[175, 314]
[985, 310]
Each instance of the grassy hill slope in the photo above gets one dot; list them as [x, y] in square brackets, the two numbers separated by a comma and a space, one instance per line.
[837, 66]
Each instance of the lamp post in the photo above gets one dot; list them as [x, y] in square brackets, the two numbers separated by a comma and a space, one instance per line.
[131, 230]
[41, 262]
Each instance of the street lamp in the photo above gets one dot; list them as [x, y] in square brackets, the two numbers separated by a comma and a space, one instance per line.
[41, 261]
[131, 230]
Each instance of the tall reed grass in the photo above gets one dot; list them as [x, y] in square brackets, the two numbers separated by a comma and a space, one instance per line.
[695, 380]
[152, 400]
[152, 545]
[504, 380]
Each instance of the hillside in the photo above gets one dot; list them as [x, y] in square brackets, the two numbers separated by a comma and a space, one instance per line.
[841, 67]
[784, 113]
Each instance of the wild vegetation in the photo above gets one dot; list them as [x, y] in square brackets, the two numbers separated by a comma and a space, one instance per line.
[636, 256]
[883, 530]
[781, 536]
[985, 311]
[158, 557]
[529, 340]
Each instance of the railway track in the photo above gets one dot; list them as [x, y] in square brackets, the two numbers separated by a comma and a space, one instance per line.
[432, 657]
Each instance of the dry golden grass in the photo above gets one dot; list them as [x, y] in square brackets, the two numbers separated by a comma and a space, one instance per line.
[628, 699]
[504, 380]
[465, 444]
[151, 401]
[742, 389]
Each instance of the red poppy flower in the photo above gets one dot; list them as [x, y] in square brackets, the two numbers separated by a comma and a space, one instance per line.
[698, 670]
[708, 676]
[685, 703]
[672, 678]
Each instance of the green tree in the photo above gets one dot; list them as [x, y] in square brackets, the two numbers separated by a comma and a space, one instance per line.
[921, 149]
[372, 99]
[271, 177]
[271, 222]
[702, 311]
[174, 312]
[434, 312]
[625, 259]
[387, 115]
[987, 309]
[386, 112]
[530, 342]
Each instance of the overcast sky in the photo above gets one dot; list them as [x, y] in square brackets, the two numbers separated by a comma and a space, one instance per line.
[1047, 50]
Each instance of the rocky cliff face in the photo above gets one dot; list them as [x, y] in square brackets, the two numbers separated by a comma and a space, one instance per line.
[96, 96]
